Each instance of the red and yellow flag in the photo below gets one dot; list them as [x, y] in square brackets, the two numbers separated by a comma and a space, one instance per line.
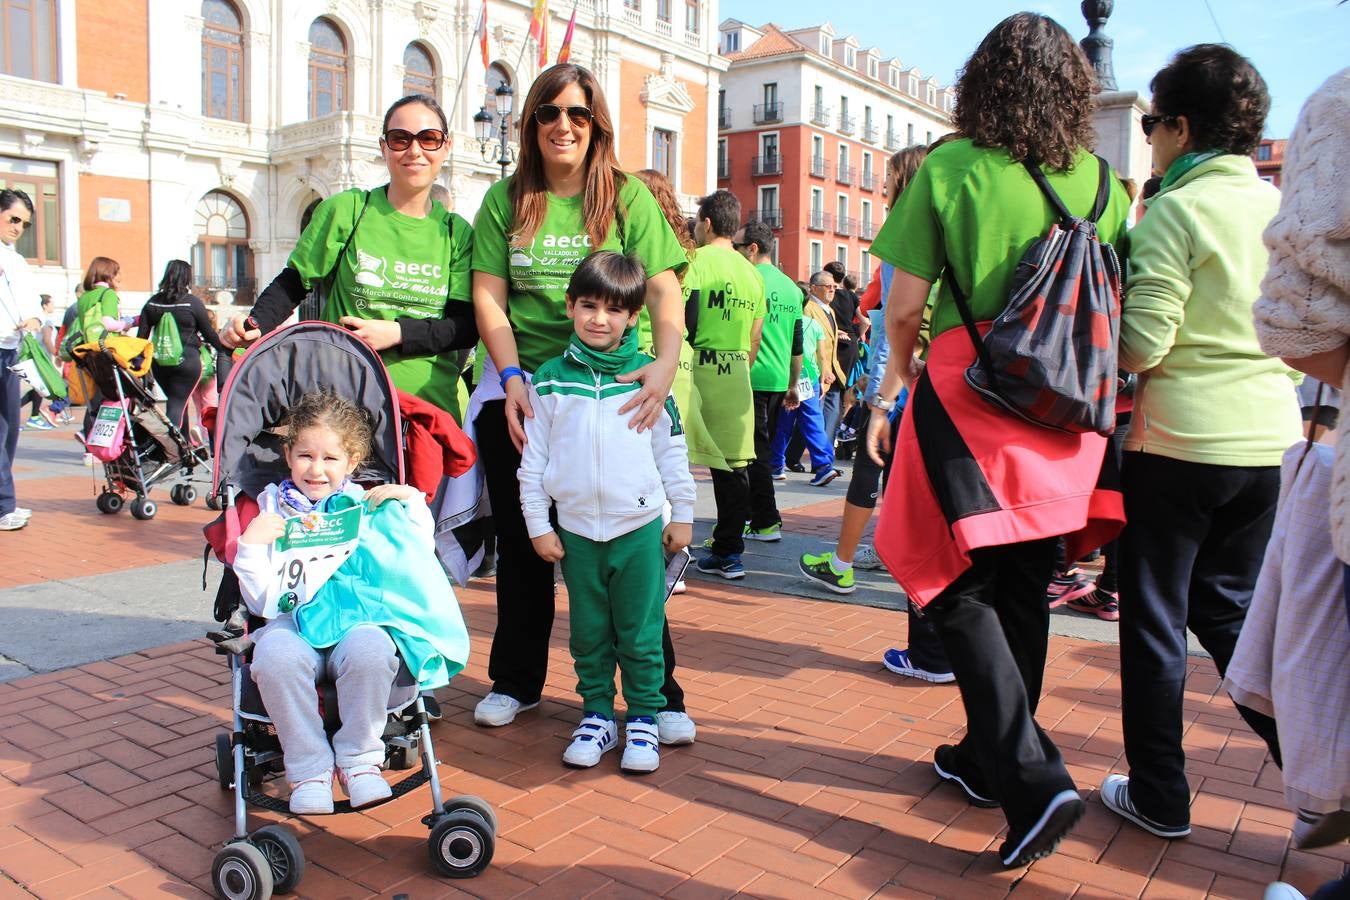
[539, 29]
[483, 35]
[565, 51]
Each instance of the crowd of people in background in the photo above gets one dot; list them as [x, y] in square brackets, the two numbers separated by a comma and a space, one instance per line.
[592, 300]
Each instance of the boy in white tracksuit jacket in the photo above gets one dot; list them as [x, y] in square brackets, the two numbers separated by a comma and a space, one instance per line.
[609, 483]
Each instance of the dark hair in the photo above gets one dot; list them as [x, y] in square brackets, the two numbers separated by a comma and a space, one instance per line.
[610, 277]
[836, 270]
[1219, 91]
[1028, 89]
[426, 100]
[664, 193]
[1151, 187]
[44, 299]
[174, 284]
[101, 268]
[761, 235]
[604, 178]
[723, 210]
[326, 407]
[10, 196]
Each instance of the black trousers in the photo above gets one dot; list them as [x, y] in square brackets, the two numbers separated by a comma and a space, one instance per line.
[518, 663]
[763, 503]
[731, 492]
[178, 382]
[1192, 547]
[994, 625]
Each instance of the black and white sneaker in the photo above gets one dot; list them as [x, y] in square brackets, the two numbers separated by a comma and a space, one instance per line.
[1040, 840]
[945, 764]
[1116, 796]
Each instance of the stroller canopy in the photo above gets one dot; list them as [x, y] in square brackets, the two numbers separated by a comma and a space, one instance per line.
[275, 373]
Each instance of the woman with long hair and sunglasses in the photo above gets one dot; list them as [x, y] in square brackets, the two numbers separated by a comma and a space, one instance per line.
[393, 263]
[194, 329]
[567, 198]
[977, 496]
[20, 311]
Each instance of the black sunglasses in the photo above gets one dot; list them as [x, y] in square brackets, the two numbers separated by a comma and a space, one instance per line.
[548, 113]
[1148, 122]
[399, 139]
[15, 220]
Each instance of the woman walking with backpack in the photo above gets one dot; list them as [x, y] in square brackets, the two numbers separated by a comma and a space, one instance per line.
[180, 317]
[979, 495]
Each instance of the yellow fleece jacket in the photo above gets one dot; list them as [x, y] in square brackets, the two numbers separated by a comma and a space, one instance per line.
[1207, 393]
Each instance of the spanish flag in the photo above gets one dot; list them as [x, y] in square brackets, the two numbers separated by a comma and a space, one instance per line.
[483, 34]
[565, 51]
[539, 29]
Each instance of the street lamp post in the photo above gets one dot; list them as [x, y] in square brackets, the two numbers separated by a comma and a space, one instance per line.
[503, 102]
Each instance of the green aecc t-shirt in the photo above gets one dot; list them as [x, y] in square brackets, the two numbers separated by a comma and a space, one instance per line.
[783, 307]
[537, 274]
[727, 293]
[396, 267]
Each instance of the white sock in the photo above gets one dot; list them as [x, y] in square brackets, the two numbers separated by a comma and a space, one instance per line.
[839, 566]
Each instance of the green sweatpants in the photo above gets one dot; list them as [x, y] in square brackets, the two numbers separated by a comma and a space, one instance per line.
[615, 591]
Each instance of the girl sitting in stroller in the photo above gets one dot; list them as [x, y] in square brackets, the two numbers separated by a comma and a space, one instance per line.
[334, 569]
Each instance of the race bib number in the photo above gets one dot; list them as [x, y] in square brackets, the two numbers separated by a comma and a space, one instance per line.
[314, 546]
[105, 428]
[805, 389]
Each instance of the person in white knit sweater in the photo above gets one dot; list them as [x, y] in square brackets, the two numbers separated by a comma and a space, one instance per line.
[1303, 315]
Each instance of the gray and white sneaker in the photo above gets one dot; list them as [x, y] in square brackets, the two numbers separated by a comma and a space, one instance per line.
[499, 709]
[12, 521]
[676, 728]
[866, 558]
[1115, 793]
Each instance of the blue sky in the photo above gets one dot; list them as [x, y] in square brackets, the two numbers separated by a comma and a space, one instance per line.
[1296, 44]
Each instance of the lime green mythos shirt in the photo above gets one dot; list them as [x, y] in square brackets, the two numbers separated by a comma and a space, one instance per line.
[783, 307]
[537, 273]
[727, 294]
[396, 267]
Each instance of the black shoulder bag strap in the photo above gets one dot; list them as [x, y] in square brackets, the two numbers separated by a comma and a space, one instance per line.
[1098, 203]
[968, 319]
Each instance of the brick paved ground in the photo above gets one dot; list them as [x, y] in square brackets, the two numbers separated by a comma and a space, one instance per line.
[811, 776]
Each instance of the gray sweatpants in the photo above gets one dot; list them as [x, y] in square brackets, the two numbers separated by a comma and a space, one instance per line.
[286, 668]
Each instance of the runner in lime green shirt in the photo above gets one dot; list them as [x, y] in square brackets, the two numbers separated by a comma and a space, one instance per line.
[393, 264]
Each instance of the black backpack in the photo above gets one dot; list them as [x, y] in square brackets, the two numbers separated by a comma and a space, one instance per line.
[1050, 356]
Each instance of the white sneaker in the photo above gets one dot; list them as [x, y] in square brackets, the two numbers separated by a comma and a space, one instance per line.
[364, 785]
[313, 796]
[12, 522]
[593, 738]
[88, 460]
[23, 513]
[499, 709]
[866, 558]
[675, 728]
[641, 742]
[679, 587]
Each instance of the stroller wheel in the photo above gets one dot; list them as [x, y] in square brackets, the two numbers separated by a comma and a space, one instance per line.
[143, 508]
[183, 494]
[224, 762]
[279, 845]
[189, 495]
[476, 804]
[461, 844]
[212, 502]
[109, 503]
[241, 872]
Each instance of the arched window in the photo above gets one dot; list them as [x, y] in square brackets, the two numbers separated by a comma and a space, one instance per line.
[419, 71]
[495, 77]
[327, 69]
[221, 260]
[28, 39]
[222, 61]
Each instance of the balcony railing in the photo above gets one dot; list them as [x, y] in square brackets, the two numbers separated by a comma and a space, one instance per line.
[821, 115]
[867, 230]
[820, 167]
[243, 290]
[723, 168]
[868, 181]
[818, 220]
[766, 165]
[845, 226]
[768, 112]
[723, 117]
[893, 142]
[845, 174]
[771, 217]
[847, 124]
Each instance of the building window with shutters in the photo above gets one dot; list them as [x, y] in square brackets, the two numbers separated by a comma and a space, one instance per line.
[40, 244]
[222, 61]
[221, 259]
[28, 39]
[419, 71]
[691, 16]
[327, 68]
[663, 152]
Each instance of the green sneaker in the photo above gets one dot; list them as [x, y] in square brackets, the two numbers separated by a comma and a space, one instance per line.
[770, 534]
[817, 568]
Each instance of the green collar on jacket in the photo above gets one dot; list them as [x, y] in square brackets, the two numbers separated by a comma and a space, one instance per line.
[1197, 165]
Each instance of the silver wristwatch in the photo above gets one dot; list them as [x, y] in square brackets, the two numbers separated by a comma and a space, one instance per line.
[881, 404]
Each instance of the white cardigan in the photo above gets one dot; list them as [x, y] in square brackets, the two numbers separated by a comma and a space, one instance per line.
[1305, 304]
[18, 296]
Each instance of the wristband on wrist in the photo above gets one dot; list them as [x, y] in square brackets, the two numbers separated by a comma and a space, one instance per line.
[510, 372]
